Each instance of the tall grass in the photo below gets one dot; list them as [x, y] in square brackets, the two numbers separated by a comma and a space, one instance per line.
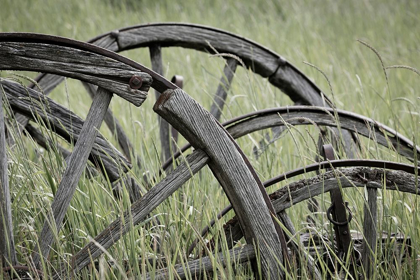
[323, 34]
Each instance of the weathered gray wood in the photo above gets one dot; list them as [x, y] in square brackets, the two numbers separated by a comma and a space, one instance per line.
[196, 268]
[299, 191]
[223, 88]
[370, 232]
[107, 41]
[34, 105]
[164, 128]
[73, 172]
[47, 82]
[233, 172]
[7, 244]
[140, 209]
[262, 61]
[344, 178]
[303, 115]
[75, 63]
[115, 127]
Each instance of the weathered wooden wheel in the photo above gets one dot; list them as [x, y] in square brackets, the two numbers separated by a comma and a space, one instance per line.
[213, 145]
[237, 51]
[32, 52]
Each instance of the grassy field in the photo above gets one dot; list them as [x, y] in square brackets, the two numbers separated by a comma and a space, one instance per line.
[320, 33]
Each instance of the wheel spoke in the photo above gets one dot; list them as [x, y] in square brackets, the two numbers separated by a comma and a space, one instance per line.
[223, 88]
[164, 128]
[140, 209]
[116, 128]
[7, 245]
[73, 172]
[370, 232]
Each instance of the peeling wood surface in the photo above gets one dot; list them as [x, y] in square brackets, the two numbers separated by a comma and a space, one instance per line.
[75, 63]
[233, 172]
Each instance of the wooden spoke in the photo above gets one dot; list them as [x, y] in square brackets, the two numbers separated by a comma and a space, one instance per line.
[164, 128]
[34, 105]
[370, 232]
[73, 172]
[7, 245]
[116, 128]
[140, 209]
[224, 85]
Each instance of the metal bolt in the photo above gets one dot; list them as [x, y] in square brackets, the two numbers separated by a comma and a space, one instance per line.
[345, 232]
[135, 82]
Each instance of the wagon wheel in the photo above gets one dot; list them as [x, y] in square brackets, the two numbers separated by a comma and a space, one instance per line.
[115, 74]
[259, 59]
[301, 115]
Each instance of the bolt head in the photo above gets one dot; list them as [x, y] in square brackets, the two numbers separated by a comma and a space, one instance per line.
[135, 82]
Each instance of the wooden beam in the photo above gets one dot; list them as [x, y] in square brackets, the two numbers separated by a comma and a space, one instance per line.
[72, 173]
[233, 172]
[7, 244]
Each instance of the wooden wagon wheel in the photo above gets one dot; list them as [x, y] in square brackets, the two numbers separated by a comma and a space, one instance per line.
[115, 74]
[301, 115]
[292, 82]
[234, 48]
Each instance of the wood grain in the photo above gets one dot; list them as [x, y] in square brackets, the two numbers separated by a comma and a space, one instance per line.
[72, 173]
[344, 178]
[7, 244]
[304, 115]
[164, 128]
[115, 127]
[75, 63]
[140, 209]
[370, 232]
[36, 106]
[223, 88]
[233, 172]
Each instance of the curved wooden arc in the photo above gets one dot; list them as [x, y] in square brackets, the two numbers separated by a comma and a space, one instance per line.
[261, 60]
[233, 227]
[158, 81]
[233, 171]
[301, 190]
[306, 115]
[31, 52]
[35, 105]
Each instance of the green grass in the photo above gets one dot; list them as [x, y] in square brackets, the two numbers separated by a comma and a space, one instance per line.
[323, 34]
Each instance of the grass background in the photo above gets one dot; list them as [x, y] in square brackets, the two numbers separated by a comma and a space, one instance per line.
[323, 33]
